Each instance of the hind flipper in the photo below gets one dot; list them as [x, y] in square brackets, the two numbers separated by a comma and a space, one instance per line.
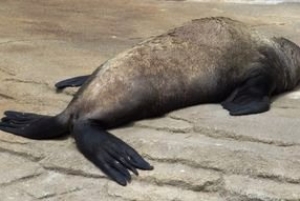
[250, 98]
[72, 82]
[113, 156]
[31, 125]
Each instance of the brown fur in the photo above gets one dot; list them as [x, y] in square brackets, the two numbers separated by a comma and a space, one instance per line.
[202, 61]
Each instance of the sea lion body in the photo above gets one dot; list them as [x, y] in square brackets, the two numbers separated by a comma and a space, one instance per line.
[199, 62]
[206, 60]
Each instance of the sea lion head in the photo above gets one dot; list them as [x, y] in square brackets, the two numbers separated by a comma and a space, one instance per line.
[291, 52]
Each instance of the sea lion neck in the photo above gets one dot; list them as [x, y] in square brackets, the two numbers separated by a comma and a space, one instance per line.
[291, 51]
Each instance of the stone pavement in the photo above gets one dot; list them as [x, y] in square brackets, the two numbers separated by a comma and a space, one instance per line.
[199, 153]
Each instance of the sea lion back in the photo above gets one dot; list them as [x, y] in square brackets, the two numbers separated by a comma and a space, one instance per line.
[185, 66]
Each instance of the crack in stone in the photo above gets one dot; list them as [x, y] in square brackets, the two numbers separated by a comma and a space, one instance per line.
[4, 96]
[23, 155]
[184, 162]
[59, 194]
[169, 130]
[27, 40]
[29, 194]
[14, 41]
[221, 134]
[119, 196]
[13, 142]
[268, 24]
[179, 118]
[27, 81]
[275, 178]
[5, 71]
[206, 187]
[72, 172]
[179, 184]
[36, 102]
[278, 179]
[159, 185]
[22, 179]
[29, 102]
[116, 196]
[211, 186]
[237, 196]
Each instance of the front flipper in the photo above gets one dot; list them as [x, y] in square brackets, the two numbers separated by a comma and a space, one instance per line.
[252, 97]
[72, 82]
[113, 156]
[32, 126]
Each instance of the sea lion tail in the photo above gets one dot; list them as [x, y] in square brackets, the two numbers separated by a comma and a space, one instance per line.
[32, 126]
[72, 82]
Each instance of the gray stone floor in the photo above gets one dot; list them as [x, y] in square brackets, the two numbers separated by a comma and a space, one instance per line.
[199, 153]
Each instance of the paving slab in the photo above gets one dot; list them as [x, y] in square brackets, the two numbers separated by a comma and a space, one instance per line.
[199, 153]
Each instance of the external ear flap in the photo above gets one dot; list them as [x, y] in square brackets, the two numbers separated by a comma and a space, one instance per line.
[250, 98]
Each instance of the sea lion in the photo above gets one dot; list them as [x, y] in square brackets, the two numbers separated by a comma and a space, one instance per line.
[207, 60]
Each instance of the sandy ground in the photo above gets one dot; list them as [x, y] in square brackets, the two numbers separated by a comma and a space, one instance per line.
[199, 153]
